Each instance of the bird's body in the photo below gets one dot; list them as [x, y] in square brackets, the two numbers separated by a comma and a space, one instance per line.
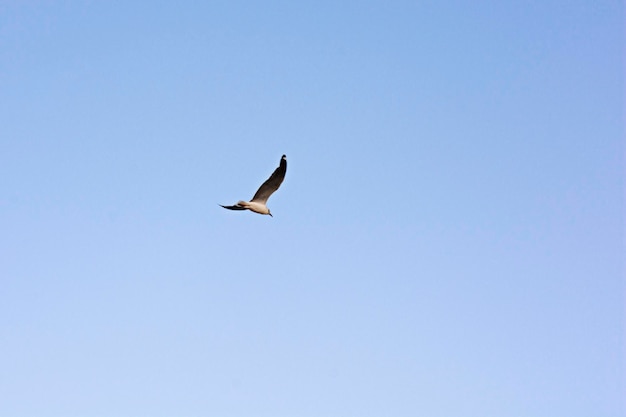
[253, 206]
[259, 201]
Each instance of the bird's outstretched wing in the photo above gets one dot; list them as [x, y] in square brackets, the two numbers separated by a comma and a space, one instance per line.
[273, 182]
[235, 207]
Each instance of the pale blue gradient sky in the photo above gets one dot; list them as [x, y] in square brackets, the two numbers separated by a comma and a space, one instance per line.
[449, 240]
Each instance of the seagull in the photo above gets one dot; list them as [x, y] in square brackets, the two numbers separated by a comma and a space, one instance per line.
[257, 204]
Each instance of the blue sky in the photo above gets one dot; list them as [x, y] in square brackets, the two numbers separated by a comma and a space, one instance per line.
[448, 241]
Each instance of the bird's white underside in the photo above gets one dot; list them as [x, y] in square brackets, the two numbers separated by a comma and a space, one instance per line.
[254, 206]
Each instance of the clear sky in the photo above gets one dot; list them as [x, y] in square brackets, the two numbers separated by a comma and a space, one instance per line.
[448, 241]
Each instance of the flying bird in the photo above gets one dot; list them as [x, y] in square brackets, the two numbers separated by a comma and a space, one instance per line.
[258, 202]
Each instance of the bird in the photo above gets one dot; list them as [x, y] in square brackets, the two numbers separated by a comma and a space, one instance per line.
[259, 201]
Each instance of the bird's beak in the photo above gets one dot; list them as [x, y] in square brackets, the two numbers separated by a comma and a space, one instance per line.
[270, 214]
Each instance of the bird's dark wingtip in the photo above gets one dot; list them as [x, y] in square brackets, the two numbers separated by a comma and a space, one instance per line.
[235, 207]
